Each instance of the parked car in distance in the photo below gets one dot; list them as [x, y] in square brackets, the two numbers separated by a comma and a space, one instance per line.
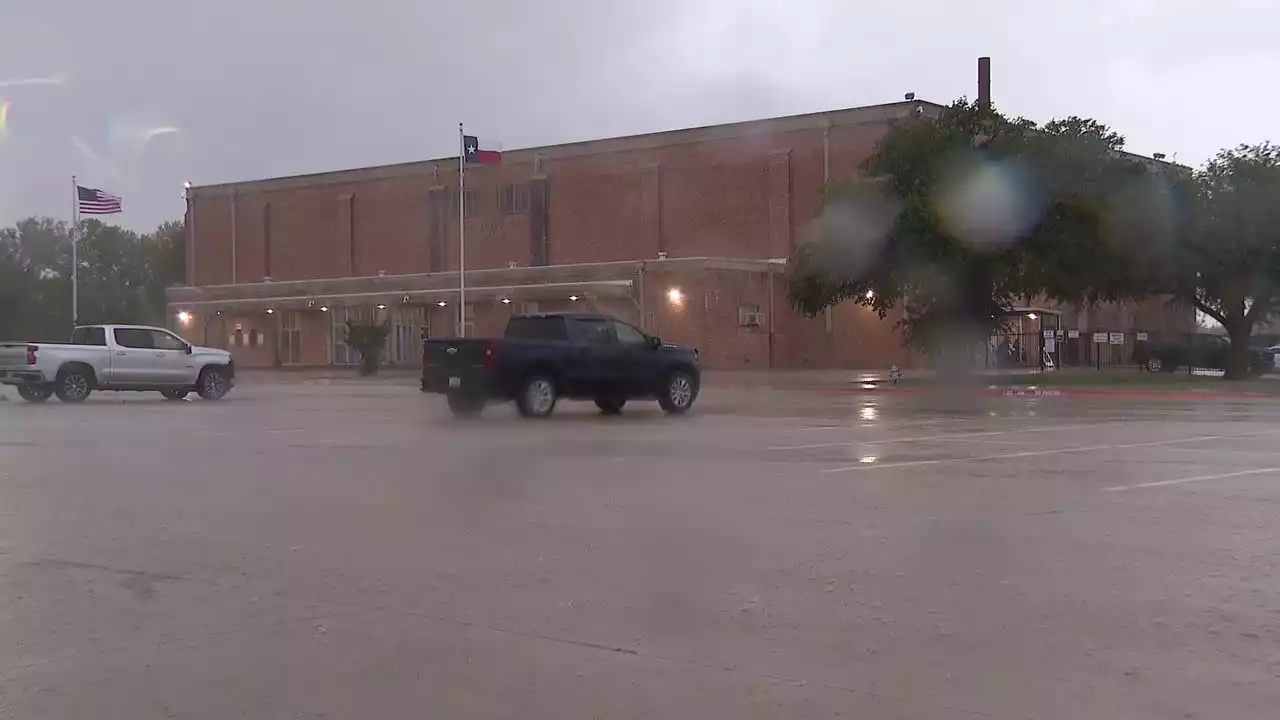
[543, 358]
[115, 357]
[1201, 351]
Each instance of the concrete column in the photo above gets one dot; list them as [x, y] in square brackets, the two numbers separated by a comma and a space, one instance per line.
[779, 198]
[651, 214]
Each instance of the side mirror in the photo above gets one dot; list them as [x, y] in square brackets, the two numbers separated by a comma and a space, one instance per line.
[186, 349]
[655, 342]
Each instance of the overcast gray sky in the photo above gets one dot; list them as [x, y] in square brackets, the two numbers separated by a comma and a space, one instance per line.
[136, 96]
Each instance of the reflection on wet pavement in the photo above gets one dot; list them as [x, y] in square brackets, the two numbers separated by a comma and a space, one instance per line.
[352, 551]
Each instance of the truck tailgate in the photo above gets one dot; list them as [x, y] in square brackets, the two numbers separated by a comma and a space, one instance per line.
[13, 353]
[457, 365]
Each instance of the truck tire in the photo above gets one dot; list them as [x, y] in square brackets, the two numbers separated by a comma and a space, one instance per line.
[74, 384]
[175, 393]
[537, 397]
[465, 406]
[678, 392]
[212, 384]
[35, 393]
[610, 405]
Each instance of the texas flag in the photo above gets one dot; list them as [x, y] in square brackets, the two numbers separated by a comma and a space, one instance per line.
[472, 153]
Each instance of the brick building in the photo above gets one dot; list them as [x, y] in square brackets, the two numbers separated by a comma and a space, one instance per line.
[685, 233]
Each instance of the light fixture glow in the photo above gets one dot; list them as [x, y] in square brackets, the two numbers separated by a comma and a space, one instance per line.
[674, 296]
[506, 301]
[871, 294]
[442, 303]
[381, 306]
[573, 298]
[184, 317]
[270, 311]
[1033, 316]
[324, 308]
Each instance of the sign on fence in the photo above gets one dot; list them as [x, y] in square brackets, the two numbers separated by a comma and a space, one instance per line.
[1073, 334]
[1100, 337]
[1117, 338]
[1048, 333]
[1142, 337]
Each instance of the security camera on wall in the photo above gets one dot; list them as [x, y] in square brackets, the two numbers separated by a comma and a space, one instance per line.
[919, 109]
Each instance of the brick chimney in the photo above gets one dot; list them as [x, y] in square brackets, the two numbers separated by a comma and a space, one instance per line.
[984, 82]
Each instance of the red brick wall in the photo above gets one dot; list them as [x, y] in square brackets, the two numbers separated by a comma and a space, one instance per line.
[745, 198]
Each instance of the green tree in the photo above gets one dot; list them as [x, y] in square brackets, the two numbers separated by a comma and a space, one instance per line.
[962, 217]
[1228, 262]
[122, 276]
[368, 339]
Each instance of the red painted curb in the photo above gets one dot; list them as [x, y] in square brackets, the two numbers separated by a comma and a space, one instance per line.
[1056, 392]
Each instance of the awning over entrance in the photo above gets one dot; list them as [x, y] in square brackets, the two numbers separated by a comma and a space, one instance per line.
[593, 289]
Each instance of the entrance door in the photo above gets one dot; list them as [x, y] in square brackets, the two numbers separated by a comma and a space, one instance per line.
[291, 339]
[407, 327]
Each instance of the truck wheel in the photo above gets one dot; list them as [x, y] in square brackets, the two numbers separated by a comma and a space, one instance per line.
[212, 384]
[35, 393]
[465, 406]
[1154, 364]
[610, 405]
[74, 385]
[680, 391]
[537, 396]
[175, 394]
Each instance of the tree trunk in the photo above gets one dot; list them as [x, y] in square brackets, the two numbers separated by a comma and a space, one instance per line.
[1238, 354]
[369, 363]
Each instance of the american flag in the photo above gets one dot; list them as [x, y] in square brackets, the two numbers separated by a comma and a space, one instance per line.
[95, 202]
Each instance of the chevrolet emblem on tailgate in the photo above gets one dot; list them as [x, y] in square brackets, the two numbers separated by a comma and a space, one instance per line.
[452, 351]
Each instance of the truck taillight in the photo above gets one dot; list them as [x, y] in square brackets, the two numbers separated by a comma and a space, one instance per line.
[490, 357]
[31, 354]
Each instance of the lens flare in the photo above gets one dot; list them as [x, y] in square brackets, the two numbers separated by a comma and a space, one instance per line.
[986, 204]
[25, 82]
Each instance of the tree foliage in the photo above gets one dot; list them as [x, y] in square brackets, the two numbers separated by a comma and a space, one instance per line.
[368, 339]
[964, 216]
[122, 276]
[1227, 262]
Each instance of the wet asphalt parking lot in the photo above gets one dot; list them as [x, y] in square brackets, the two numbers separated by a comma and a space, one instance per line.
[348, 550]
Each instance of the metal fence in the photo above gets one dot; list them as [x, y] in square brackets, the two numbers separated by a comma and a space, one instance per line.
[1082, 349]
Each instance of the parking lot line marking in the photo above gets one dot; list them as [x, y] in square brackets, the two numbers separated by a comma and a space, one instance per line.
[950, 436]
[1232, 451]
[1198, 478]
[1039, 453]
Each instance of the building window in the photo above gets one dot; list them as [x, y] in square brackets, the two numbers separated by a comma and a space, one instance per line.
[514, 199]
[749, 316]
[470, 204]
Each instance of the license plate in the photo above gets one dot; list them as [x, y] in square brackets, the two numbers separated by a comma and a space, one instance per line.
[455, 382]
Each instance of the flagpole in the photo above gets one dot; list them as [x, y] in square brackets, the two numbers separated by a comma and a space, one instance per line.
[462, 235]
[75, 256]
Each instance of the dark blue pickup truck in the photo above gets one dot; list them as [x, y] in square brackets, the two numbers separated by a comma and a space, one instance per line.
[545, 357]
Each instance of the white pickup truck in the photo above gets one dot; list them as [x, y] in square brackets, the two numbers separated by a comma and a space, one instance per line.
[115, 357]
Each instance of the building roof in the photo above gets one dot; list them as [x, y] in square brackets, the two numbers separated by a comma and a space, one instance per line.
[647, 141]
